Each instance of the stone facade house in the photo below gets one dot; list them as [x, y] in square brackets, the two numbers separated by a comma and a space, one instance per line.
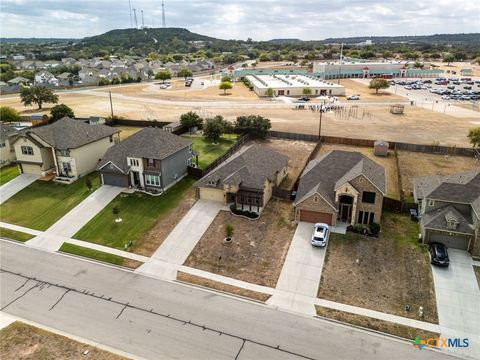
[449, 208]
[341, 186]
[151, 160]
[67, 148]
[247, 179]
[7, 152]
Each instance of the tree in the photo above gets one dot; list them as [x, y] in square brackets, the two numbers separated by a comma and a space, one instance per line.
[477, 60]
[8, 114]
[214, 128]
[191, 120]
[254, 125]
[59, 111]
[185, 73]
[448, 58]
[418, 65]
[270, 92]
[228, 231]
[37, 95]
[387, 54]
[378, 84]
[474, 137]
[226, 85]
[163, 75]
[226, 78]
[307, 91]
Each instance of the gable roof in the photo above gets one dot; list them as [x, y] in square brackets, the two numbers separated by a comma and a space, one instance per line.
[7, 131]
[68, 133]
[332, 170]
[151, 143]
[248, 169]
[437, 219]
[461, 188]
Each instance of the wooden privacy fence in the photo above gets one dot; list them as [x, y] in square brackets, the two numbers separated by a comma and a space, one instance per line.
[398, 205]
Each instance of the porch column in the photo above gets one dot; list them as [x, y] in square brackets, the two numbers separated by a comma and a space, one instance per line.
[55, 161]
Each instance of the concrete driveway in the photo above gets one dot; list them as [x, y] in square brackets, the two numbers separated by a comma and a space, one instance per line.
[458, 301]
[180, 242]
[15, 185]
[297, 286]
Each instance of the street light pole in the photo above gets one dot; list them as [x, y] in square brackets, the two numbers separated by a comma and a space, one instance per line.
[320, 125]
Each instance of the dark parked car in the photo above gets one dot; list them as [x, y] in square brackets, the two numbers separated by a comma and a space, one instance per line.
[304, 98]
[438, 254]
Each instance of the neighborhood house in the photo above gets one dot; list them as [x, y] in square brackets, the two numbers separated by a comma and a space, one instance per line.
[246, 180]
[151, 159]
[7, 134]
[341, 186]
[68, 148]
[449, 208]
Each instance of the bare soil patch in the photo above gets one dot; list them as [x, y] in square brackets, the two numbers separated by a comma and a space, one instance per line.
[387, 162]
[392, 270]
[164, 226]
[413, 164]
[403, 331]
[258, 249]
[198, 280]
[297, 152]
[22, 341]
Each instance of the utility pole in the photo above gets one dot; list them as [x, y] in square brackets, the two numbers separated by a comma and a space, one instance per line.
[130, 7]
[111, 104]
[340, 67]
[320, 124]
[143, 22]
[135, 16]
[164, 24]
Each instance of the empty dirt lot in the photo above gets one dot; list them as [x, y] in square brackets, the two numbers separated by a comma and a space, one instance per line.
[420, 164]
[258, 249]
[387, 162]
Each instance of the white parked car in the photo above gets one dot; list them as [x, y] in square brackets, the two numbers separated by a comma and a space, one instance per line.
[353, 97]
[320, 234]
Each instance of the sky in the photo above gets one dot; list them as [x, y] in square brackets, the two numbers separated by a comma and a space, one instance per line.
[235, 19]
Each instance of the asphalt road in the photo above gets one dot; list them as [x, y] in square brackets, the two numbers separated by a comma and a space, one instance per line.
[163, 320]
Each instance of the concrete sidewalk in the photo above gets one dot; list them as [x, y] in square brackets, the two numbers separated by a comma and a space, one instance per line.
[81, 214]
[15, 185]
[297, 286]
[180, 242]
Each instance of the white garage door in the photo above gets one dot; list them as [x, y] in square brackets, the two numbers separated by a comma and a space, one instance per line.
[211, 194]
[450, 241]
[31, 169]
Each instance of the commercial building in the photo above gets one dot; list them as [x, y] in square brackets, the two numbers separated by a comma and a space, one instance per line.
[366, 69]
[293, 85]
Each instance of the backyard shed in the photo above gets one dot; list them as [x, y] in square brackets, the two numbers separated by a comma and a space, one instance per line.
[380, 148]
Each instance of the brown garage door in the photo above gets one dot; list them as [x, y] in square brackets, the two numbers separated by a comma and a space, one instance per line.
[315, 217]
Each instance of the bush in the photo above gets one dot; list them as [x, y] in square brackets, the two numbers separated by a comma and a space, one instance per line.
[374, 229]
[249, 214]
[228, 230]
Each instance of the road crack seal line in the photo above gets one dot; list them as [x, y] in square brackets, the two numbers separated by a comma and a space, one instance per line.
[61, 298]
[240, 350]
[21, 286]
[150, 311]
[19, 297]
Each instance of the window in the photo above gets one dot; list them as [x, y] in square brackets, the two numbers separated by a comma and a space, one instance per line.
[27, 150]
[151, 162]
[431, 202]
[133, 162]
[360, 217]
[111, 138]
[152, 180]
[368, 197]
[67, 167]
[189, 162]
[365, 217]
[64, 152]
[315, 199]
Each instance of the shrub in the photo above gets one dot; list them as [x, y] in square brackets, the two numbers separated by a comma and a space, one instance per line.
[374, 229]
[249, 214]
[228, 230]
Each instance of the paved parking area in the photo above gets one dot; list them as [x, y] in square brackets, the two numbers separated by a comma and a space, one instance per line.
[180, 242]
[458, 300]
[297, 286]
[15, 185]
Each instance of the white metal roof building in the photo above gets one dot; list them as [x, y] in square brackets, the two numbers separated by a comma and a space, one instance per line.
[293, 85]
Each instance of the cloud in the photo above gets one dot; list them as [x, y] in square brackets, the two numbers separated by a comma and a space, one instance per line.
[240, 19]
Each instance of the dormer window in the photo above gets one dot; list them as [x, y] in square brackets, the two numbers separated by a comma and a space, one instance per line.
[431, 202]
[315, 199]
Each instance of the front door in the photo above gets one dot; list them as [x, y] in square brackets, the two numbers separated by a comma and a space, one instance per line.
[136, 178]
[345, 212]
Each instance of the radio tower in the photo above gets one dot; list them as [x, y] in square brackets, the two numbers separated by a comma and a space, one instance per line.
[143, 22]
[163, 15]
[135, 16]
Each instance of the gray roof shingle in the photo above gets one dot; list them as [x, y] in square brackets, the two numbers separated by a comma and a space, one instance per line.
[151, 143]
[437, 219]
[7, 131]
[248, 169]
[333, 169]
[68, 133]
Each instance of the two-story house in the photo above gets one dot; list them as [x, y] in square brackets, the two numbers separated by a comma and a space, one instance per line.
[151, 159]
[341, 187]
[7, 134]
[449, 208]
[246, 179]
[45, 77]
[68, 148]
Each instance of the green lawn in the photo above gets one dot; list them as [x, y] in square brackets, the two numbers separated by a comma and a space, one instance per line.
[138, 211]
[8, 173]
[43, 203]
[207, 152]
[15, 235]
[91, 254]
